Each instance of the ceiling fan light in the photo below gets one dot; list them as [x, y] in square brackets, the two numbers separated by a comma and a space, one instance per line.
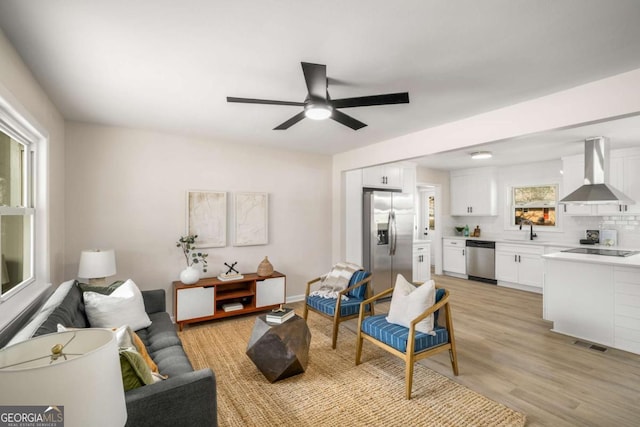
[478, 155]
[317, 112]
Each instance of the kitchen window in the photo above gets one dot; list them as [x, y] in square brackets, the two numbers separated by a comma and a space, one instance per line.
[16, 214]
[537, 204]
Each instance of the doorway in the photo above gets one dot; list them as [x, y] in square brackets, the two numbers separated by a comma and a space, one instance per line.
[429, 221]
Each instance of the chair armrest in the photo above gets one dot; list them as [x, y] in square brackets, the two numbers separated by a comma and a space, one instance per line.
[154, 301]
[309, 283]
[189, 397]
[443, 301]
[377, 297]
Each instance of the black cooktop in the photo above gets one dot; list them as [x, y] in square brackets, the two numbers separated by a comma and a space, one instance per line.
[596, 251]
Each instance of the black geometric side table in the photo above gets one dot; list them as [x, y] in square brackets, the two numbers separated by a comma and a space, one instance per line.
[280, 350]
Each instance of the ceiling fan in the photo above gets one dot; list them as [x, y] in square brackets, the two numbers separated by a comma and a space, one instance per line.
[318, 105]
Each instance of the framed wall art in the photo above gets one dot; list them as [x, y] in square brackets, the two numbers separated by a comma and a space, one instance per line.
[251, 219]
[207, 217]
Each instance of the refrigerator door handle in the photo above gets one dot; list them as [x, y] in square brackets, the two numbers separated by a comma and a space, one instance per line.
[394, 235]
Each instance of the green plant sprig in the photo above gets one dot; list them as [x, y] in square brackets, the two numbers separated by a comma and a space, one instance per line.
[188, 245]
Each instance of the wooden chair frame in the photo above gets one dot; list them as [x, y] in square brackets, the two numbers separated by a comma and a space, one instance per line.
[336, 316]
[410, 357]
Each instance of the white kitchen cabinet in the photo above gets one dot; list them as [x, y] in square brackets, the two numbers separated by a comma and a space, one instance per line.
[422, 262]
[473, 192]
[520, 265]
[270, 291]
[579, 299]
[631, 181]
[384, 176]
[454, 256]
[627, 309]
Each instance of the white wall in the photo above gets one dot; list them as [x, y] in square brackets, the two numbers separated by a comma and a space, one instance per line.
[20, 88]
[126, 190]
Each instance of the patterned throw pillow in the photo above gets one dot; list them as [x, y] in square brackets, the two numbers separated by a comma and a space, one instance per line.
[104, 290]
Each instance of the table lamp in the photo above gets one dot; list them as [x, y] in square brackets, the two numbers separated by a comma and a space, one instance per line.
[96, 265]
[68, 379]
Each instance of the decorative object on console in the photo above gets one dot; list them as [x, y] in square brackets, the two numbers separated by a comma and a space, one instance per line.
[191, 275]
[50, 361]
[96, 265]
[231, 274]
[265, 268]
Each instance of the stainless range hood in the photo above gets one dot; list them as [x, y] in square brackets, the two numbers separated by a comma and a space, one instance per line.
[596, 190]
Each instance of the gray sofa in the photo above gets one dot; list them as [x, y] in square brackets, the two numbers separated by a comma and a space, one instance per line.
[186, 398]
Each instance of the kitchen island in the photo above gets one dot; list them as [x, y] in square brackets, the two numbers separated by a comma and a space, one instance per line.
[594, 297]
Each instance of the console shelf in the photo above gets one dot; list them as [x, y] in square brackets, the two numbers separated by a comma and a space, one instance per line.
[205, 300]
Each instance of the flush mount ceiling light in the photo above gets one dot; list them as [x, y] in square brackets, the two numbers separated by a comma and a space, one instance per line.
[317, 111]
[478, 155]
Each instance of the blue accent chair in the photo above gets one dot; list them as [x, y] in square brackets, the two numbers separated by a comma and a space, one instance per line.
[337, 310]
[407, 343]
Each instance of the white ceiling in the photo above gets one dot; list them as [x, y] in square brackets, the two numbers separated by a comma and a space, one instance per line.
[168, 65]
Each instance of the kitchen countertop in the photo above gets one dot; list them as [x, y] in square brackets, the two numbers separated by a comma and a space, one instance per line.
[629, 261]
[536, 242]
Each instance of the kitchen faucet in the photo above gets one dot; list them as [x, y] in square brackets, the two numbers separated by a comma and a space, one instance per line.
[531, 233]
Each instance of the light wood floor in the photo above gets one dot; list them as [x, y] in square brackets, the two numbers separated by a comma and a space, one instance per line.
[507, 353]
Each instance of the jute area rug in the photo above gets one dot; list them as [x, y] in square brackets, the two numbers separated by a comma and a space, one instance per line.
[332, 391]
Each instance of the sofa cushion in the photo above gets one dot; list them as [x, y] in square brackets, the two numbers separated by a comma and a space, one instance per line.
[43, 313]
[124, 306]
[69, 313]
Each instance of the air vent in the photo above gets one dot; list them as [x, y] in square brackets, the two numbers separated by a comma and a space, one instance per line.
[590, 346]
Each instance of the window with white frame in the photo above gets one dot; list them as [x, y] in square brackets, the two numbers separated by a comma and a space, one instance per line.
[535, 203]
[17, 213]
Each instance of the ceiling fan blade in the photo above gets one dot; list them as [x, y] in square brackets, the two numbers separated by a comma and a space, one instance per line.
[365, 101]
[346, 120]
[315, 75]
[263, 101]
[292, 121]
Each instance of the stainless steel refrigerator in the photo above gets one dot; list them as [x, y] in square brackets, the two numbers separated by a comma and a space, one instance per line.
[387, 237]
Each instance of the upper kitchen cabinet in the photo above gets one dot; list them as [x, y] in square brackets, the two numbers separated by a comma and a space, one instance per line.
[384, 176]
[474, 192]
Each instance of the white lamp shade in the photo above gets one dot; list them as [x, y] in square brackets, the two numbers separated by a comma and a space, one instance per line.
[88, 384]
[97, 263]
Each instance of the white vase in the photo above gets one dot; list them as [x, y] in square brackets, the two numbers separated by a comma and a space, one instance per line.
[189, 275]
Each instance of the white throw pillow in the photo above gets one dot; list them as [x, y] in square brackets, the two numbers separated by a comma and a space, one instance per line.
[124, 306]
[409, 301]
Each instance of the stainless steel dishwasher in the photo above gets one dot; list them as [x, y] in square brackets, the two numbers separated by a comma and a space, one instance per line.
[481, 260]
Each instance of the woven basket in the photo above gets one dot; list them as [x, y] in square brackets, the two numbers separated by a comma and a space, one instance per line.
[265, 268]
